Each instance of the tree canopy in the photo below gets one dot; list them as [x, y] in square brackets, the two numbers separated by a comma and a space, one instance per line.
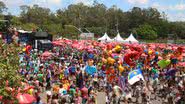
[98, 19]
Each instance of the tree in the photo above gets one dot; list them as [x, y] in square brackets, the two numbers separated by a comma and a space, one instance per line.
[146, 32]
[99, 19]
[3, 7]
[37, 15]
[9, 65]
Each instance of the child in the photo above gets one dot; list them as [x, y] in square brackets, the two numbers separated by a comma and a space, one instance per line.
[78, 99]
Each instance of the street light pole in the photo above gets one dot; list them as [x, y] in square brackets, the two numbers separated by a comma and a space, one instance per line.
[74, 27]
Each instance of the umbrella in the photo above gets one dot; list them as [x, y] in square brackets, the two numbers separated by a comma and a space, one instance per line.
[182, 64]
[25, 98]
[46, 54]
[57, 43]
[1, 97]
[27, 87]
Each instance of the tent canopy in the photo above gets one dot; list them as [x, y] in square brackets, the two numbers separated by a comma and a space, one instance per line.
[118, 38]
[105, 38]
[131, 39]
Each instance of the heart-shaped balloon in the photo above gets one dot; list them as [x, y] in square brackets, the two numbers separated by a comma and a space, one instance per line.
[168, 62]
[164, 63]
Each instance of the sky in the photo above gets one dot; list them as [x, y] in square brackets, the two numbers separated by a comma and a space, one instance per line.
[175, 9]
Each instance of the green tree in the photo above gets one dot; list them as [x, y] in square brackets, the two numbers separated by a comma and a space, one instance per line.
[3, 7]
[146, 32]
[36, 14]
[99, 19]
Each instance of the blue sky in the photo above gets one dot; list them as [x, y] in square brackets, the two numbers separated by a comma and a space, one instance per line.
[175, 9]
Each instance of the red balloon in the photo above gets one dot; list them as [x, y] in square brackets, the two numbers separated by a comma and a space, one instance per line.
[131, 56]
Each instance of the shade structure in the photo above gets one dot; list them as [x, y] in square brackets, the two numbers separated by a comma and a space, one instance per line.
[25, 98]
[118, 38]
[46, 54]
[105, 38]
[131, 39]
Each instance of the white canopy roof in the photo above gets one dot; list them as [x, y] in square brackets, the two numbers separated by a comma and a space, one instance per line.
[105, 38]
[118, 38]
[131, 39]
[23, 31]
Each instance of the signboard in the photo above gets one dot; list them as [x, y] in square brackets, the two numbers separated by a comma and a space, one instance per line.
[87, 36]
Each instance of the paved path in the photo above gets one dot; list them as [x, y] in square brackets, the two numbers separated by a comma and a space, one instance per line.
[43, 98]
[101, 98]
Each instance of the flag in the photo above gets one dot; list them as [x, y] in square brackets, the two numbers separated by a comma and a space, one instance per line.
[135, 76]
[121, 82]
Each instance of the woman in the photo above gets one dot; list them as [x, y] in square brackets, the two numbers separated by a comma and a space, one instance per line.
[92, 97]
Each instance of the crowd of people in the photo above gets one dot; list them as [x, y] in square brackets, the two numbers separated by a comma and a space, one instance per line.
[74, 73]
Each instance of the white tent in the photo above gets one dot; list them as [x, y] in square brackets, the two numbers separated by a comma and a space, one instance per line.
[105, 38]
[22, 31]
[131, 39]
[118, 38]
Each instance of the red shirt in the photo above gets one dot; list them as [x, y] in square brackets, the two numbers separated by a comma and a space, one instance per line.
[84, 92]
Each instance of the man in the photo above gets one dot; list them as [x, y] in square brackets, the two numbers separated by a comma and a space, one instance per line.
[117, 93]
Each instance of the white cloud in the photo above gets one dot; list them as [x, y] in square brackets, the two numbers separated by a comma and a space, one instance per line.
[177, 7]
[174, 12]
[138, 1]
[176, 17]
[86, 2]
[12, 3]
[47, 3]
[44, 3]
[55, 1]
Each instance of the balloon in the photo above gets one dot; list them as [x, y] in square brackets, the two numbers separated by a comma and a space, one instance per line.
[168, 62]
[66, 86]
[30, 91]
[129, 57]
[56, 89]
[110, 61]
[150, 52]
[113, 50]
[118, 48]
[121, 68]
[157, 53]
[90, 70]
[104, 60]
[24, 49]
[120, 62]
[109, 46]
[115, 56]
[110, 52]
[146, 51]
[164, 63]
